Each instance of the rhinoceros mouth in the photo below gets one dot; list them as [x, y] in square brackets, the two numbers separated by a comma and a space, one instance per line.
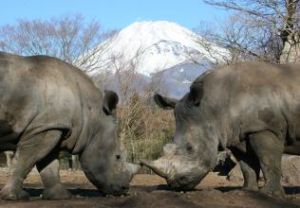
[181, 187]
[117, 190]
[112, 189]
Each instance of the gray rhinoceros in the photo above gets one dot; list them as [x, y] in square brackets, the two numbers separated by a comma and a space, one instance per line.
[251, 108]
[47, 105]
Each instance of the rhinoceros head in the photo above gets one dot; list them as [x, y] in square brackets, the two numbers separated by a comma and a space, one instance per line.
[194, 151]
[103, 160]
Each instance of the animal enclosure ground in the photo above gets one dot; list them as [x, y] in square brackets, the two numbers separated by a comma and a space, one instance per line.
[151, 191]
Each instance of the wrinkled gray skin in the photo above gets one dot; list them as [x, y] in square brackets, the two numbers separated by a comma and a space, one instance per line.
[251, 108]
[47, 105]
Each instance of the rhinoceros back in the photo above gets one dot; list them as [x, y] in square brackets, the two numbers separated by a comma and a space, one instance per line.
[252, 97]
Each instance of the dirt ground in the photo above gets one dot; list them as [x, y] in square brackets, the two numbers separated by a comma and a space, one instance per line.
[151, 191]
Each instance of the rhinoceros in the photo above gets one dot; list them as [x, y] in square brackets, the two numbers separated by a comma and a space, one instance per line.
[251, 108]
[47, 105]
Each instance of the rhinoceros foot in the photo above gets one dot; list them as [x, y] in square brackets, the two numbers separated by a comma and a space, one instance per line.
[276, 193]
[56, 192]
[12, 194]
[250, 188]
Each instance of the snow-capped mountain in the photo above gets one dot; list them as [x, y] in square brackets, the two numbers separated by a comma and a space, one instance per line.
[150, 47]
[161, 55]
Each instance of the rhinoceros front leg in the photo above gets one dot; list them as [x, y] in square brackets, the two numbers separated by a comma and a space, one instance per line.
[269, 150]
[249, 165]
[49, 172]
[27, 154]
[250, 173]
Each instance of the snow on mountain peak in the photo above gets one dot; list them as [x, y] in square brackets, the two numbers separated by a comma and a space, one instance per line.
[155, 31]
[151, 46]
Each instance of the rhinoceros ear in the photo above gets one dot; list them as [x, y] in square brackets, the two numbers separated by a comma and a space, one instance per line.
[110, 102]
[164, 102]
[195, 94]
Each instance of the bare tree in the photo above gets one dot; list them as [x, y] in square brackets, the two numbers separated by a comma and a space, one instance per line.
[245, 41]
[66, 37]
[117, 72]
[90, 60]
[262, 29]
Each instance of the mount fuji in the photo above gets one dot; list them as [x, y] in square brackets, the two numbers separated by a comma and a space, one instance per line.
[153, 50]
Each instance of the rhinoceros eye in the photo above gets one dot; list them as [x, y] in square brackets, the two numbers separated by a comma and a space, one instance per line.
[189, 148]
[118, 157]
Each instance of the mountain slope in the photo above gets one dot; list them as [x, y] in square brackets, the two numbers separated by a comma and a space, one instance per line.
[150, 47]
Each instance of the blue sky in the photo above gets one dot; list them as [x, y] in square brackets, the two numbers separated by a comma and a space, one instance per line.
[113, 14]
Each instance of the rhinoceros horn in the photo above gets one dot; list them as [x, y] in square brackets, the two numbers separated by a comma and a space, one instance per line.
[157, 166]
[163, 166]
[133, 168]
